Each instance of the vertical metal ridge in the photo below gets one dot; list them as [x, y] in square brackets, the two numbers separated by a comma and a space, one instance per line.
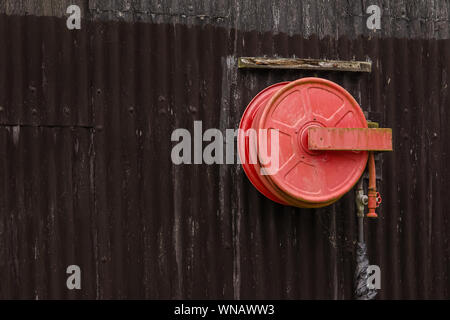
[100, 94]
[114, 165]
[389, 249]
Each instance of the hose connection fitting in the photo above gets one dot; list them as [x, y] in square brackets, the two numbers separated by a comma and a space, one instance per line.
[374, 196]
[361, 201]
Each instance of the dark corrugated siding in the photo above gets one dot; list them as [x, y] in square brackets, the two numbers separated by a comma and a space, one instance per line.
[39, 58]
[46, 210]
[95, 186]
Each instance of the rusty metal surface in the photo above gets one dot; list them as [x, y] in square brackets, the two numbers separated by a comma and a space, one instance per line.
[355, 139]
[87, 178]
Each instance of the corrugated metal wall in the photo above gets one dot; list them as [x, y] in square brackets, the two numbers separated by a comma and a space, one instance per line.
[86, 177]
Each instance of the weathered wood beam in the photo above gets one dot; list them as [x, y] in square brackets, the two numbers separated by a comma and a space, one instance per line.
[305, 64]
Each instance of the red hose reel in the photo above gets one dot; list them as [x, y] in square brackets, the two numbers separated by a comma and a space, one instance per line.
[323, 142]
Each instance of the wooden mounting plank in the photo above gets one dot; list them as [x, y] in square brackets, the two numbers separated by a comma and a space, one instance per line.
[355, 139]
[306, 64]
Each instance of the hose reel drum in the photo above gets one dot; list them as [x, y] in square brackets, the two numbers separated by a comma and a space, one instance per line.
[323, 142]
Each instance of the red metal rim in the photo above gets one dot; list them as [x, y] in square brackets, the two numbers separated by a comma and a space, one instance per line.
[313, 178]
[252, 170]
